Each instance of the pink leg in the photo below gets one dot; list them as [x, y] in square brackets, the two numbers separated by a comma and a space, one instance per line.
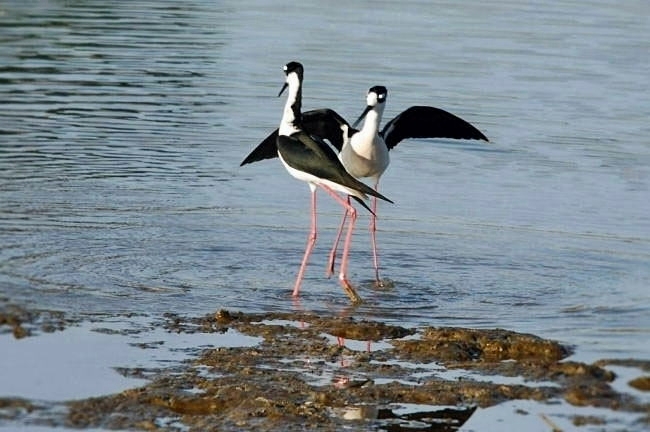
[373, 239]
[311, 241]
[346, 247]
[347, 286]
[330, 265]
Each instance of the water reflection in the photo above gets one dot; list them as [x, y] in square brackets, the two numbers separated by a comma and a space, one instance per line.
[410, 417]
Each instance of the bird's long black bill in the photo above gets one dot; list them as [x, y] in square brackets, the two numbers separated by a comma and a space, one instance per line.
[283, 88]
[363, 114]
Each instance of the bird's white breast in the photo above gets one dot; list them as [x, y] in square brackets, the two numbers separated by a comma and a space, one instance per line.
[365, 155]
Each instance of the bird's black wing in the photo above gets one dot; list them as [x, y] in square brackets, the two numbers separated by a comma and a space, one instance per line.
[314, 156]
[326, 124]
[322, 123]
[428, 122]
[267, 149]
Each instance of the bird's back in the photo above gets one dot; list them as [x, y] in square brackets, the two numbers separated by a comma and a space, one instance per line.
[312, 158]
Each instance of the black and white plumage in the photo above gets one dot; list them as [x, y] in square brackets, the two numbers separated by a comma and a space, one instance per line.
[365, 152]
[324, 123]
[308, 158]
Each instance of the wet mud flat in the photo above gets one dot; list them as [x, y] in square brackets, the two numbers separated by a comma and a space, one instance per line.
[314, 372]
[23, 322]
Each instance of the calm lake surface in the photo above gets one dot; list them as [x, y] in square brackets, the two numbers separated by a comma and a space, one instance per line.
[122, 126]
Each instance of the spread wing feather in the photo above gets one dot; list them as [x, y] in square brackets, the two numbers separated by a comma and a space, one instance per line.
[428, 122]
[321, 123]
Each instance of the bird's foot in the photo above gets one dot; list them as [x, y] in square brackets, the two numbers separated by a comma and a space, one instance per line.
[349, 290]
[383, 284]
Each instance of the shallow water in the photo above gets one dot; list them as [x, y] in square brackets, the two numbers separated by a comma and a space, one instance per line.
[122, 129]
[82, 361]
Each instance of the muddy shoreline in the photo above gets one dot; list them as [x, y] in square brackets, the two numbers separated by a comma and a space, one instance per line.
[306, 373]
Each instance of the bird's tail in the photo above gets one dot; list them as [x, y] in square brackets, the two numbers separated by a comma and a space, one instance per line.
[364, 188]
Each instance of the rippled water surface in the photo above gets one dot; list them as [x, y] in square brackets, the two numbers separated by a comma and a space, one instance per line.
[122, 126]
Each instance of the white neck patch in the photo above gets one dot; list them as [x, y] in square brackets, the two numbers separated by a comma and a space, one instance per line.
[287, 124]
[371, 99]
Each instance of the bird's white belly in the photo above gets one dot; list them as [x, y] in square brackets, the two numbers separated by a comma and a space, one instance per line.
[365, 160]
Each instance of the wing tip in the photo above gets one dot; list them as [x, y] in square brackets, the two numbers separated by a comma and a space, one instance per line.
[360, 201]
[378, 195]
[482, 137]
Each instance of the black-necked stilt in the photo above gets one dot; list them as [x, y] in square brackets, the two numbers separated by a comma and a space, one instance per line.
[364, 153]
[308, 158]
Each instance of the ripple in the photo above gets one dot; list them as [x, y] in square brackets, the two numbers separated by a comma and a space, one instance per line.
[123, 129]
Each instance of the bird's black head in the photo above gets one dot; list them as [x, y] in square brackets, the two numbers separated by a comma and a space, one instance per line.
[380, 93]
[294, 67]
[289, 68]
[376, 98]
